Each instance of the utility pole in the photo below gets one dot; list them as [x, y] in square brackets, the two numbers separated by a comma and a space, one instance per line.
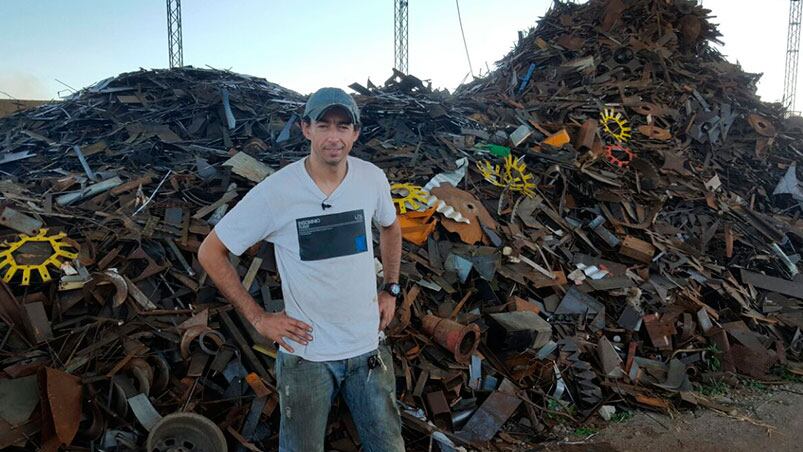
[175, 48]
[400, 35]
[792, 56]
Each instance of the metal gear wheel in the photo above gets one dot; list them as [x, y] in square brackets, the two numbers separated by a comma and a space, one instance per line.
[615, 125]
[513, 175]
[619, 155]
[408, 196]
[31, 253]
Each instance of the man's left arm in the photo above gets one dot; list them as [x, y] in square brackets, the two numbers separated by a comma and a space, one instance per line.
[390, 241]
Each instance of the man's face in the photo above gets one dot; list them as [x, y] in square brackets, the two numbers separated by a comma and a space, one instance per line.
[331, 137]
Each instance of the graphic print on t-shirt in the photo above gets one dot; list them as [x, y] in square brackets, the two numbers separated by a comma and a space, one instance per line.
[334, 235]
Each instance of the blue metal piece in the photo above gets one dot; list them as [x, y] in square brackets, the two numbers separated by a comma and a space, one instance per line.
[526, 78]
[489, 383]
[459, 265]
[284, 135]
[231, 122]
[84, 163]
[475, 373]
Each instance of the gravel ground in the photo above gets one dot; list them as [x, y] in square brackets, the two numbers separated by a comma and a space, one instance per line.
[760, 419]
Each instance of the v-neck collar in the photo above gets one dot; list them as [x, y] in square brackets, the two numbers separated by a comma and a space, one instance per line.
[314, 186]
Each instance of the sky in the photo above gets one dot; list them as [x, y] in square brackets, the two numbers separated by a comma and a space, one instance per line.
[48, 45]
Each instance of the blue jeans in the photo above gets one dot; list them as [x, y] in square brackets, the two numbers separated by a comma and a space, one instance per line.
[307, 390]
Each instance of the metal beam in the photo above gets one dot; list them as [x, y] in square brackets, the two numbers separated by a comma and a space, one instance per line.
[400, 35]
[792, 56]
[175, 48]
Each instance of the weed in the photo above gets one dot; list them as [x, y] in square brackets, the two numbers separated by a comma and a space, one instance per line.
[712, 353]
[622, 416]
[785, 375]
[585, 431]
[753, 384]
[554, 405]
[715, 388]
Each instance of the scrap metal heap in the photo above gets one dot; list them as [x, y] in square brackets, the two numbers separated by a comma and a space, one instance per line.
[609, 220]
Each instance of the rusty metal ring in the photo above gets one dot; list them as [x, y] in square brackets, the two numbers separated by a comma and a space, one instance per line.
[142, 373]
[92, 430]
[217, 341]
[200, 332]
[122, 389]
[190, 334]
[110, 277]
[161, 376]
[120, 286]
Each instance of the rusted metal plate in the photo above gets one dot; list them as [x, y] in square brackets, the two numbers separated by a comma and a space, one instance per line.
[782, 286]
[660, 331]
[439, 410]
[655, 133]
[761, 125]
[61, 407]
[37, 322]
[491, 415]
[18, 221]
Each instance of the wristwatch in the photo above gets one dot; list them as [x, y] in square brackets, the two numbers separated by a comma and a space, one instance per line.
[393, 289]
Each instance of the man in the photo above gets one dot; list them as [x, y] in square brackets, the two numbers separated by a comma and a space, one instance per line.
[317, 212]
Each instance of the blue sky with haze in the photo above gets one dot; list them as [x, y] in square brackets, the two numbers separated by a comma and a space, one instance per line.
[303, 45]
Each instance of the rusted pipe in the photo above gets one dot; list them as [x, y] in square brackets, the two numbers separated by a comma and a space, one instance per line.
[461, 340]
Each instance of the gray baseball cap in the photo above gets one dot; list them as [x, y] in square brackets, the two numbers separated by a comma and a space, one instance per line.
[326, 98]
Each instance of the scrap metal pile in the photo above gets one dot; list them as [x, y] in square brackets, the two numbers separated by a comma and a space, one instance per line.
[607, 221]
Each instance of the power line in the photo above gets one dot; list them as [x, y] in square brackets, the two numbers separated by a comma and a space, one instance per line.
[460, 19]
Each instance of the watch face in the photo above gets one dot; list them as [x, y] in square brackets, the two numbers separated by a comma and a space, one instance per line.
[394, 289]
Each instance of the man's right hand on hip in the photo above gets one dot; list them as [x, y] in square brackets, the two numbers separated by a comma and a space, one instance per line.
[279, 326]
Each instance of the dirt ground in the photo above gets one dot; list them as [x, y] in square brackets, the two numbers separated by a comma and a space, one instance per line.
[761, 419]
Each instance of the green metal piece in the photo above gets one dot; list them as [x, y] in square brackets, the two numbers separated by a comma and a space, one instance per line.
[495, 149]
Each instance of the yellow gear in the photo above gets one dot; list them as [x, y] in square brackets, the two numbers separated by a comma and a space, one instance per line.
[13, 253]
[513, 175]
[621, 132]
[408, 195]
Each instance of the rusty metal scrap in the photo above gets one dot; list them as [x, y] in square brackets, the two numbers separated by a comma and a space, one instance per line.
[584, 273]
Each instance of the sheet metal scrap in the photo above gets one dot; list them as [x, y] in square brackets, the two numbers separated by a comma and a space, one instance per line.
[690, 247]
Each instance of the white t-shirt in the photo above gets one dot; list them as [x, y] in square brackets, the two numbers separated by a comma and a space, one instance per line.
[324, 254]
